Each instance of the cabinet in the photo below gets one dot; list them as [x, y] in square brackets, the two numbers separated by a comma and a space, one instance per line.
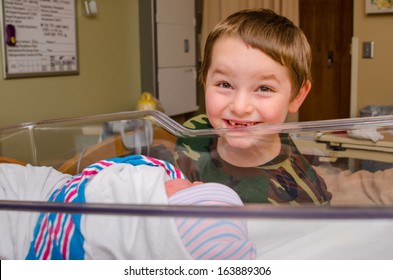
[168, 53]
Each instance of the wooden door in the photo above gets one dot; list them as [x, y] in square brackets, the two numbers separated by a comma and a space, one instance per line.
[328, 25]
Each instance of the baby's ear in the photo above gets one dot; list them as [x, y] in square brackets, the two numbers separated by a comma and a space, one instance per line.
[298, 100]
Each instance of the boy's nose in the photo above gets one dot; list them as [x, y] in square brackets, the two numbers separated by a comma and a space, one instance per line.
[241, 104]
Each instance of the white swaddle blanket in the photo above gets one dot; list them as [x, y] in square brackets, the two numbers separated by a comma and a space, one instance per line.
[23, 183]
[130, 237]
[105, 236]
[134, 179]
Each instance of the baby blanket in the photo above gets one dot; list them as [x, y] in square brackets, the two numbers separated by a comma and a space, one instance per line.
[76, 236]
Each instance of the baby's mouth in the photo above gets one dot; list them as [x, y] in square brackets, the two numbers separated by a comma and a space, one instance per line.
[237, 124]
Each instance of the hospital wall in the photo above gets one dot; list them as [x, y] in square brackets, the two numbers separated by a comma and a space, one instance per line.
[374, 81]
[109, 78]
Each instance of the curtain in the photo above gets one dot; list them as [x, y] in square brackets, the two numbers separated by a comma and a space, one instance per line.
[216, 10]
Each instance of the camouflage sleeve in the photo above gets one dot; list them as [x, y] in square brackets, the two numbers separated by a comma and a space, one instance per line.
[188, 149]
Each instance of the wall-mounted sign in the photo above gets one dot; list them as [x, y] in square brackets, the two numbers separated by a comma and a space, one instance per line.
[39, 38]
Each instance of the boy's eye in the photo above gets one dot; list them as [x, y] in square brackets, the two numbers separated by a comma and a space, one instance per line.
[224, 85]
[264, 89]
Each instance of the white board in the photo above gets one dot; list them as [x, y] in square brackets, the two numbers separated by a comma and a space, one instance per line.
[45, 41]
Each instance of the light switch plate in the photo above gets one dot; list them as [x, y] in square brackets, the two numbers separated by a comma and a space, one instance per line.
[368, 49]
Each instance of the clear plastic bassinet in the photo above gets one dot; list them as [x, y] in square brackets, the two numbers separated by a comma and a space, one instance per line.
[354, 157]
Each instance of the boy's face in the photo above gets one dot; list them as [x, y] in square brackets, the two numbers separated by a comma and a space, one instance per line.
[245, 87]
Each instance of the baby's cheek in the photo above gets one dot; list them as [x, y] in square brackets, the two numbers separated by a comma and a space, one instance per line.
[175, 185]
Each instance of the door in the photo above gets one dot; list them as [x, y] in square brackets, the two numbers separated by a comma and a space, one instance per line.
[328, 25]
[176, 89]
[176, 56]
[175, 45]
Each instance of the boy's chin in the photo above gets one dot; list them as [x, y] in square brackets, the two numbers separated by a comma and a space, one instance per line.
[246, 142]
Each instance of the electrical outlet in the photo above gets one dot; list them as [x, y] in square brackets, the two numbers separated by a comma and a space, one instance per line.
[368, 50]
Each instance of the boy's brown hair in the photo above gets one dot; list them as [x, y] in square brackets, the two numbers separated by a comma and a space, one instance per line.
[273, 34]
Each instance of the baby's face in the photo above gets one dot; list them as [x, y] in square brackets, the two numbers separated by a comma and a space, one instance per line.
[245, 87]
[178, 184]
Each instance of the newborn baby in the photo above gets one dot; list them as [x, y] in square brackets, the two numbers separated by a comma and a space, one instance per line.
[130, 180]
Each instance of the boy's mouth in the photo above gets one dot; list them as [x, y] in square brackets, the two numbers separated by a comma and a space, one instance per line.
[237, 124]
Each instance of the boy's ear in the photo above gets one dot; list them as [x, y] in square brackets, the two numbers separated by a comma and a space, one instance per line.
[296, 102]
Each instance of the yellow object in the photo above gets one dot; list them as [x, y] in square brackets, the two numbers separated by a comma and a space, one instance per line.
[148, 102]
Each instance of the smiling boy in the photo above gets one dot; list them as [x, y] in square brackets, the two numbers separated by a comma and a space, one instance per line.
[256, 69]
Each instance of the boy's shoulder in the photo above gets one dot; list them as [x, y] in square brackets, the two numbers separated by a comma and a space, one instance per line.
[198, 122]
[192, 143]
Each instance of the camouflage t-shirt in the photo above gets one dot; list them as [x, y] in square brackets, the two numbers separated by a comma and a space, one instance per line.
[288, 178]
